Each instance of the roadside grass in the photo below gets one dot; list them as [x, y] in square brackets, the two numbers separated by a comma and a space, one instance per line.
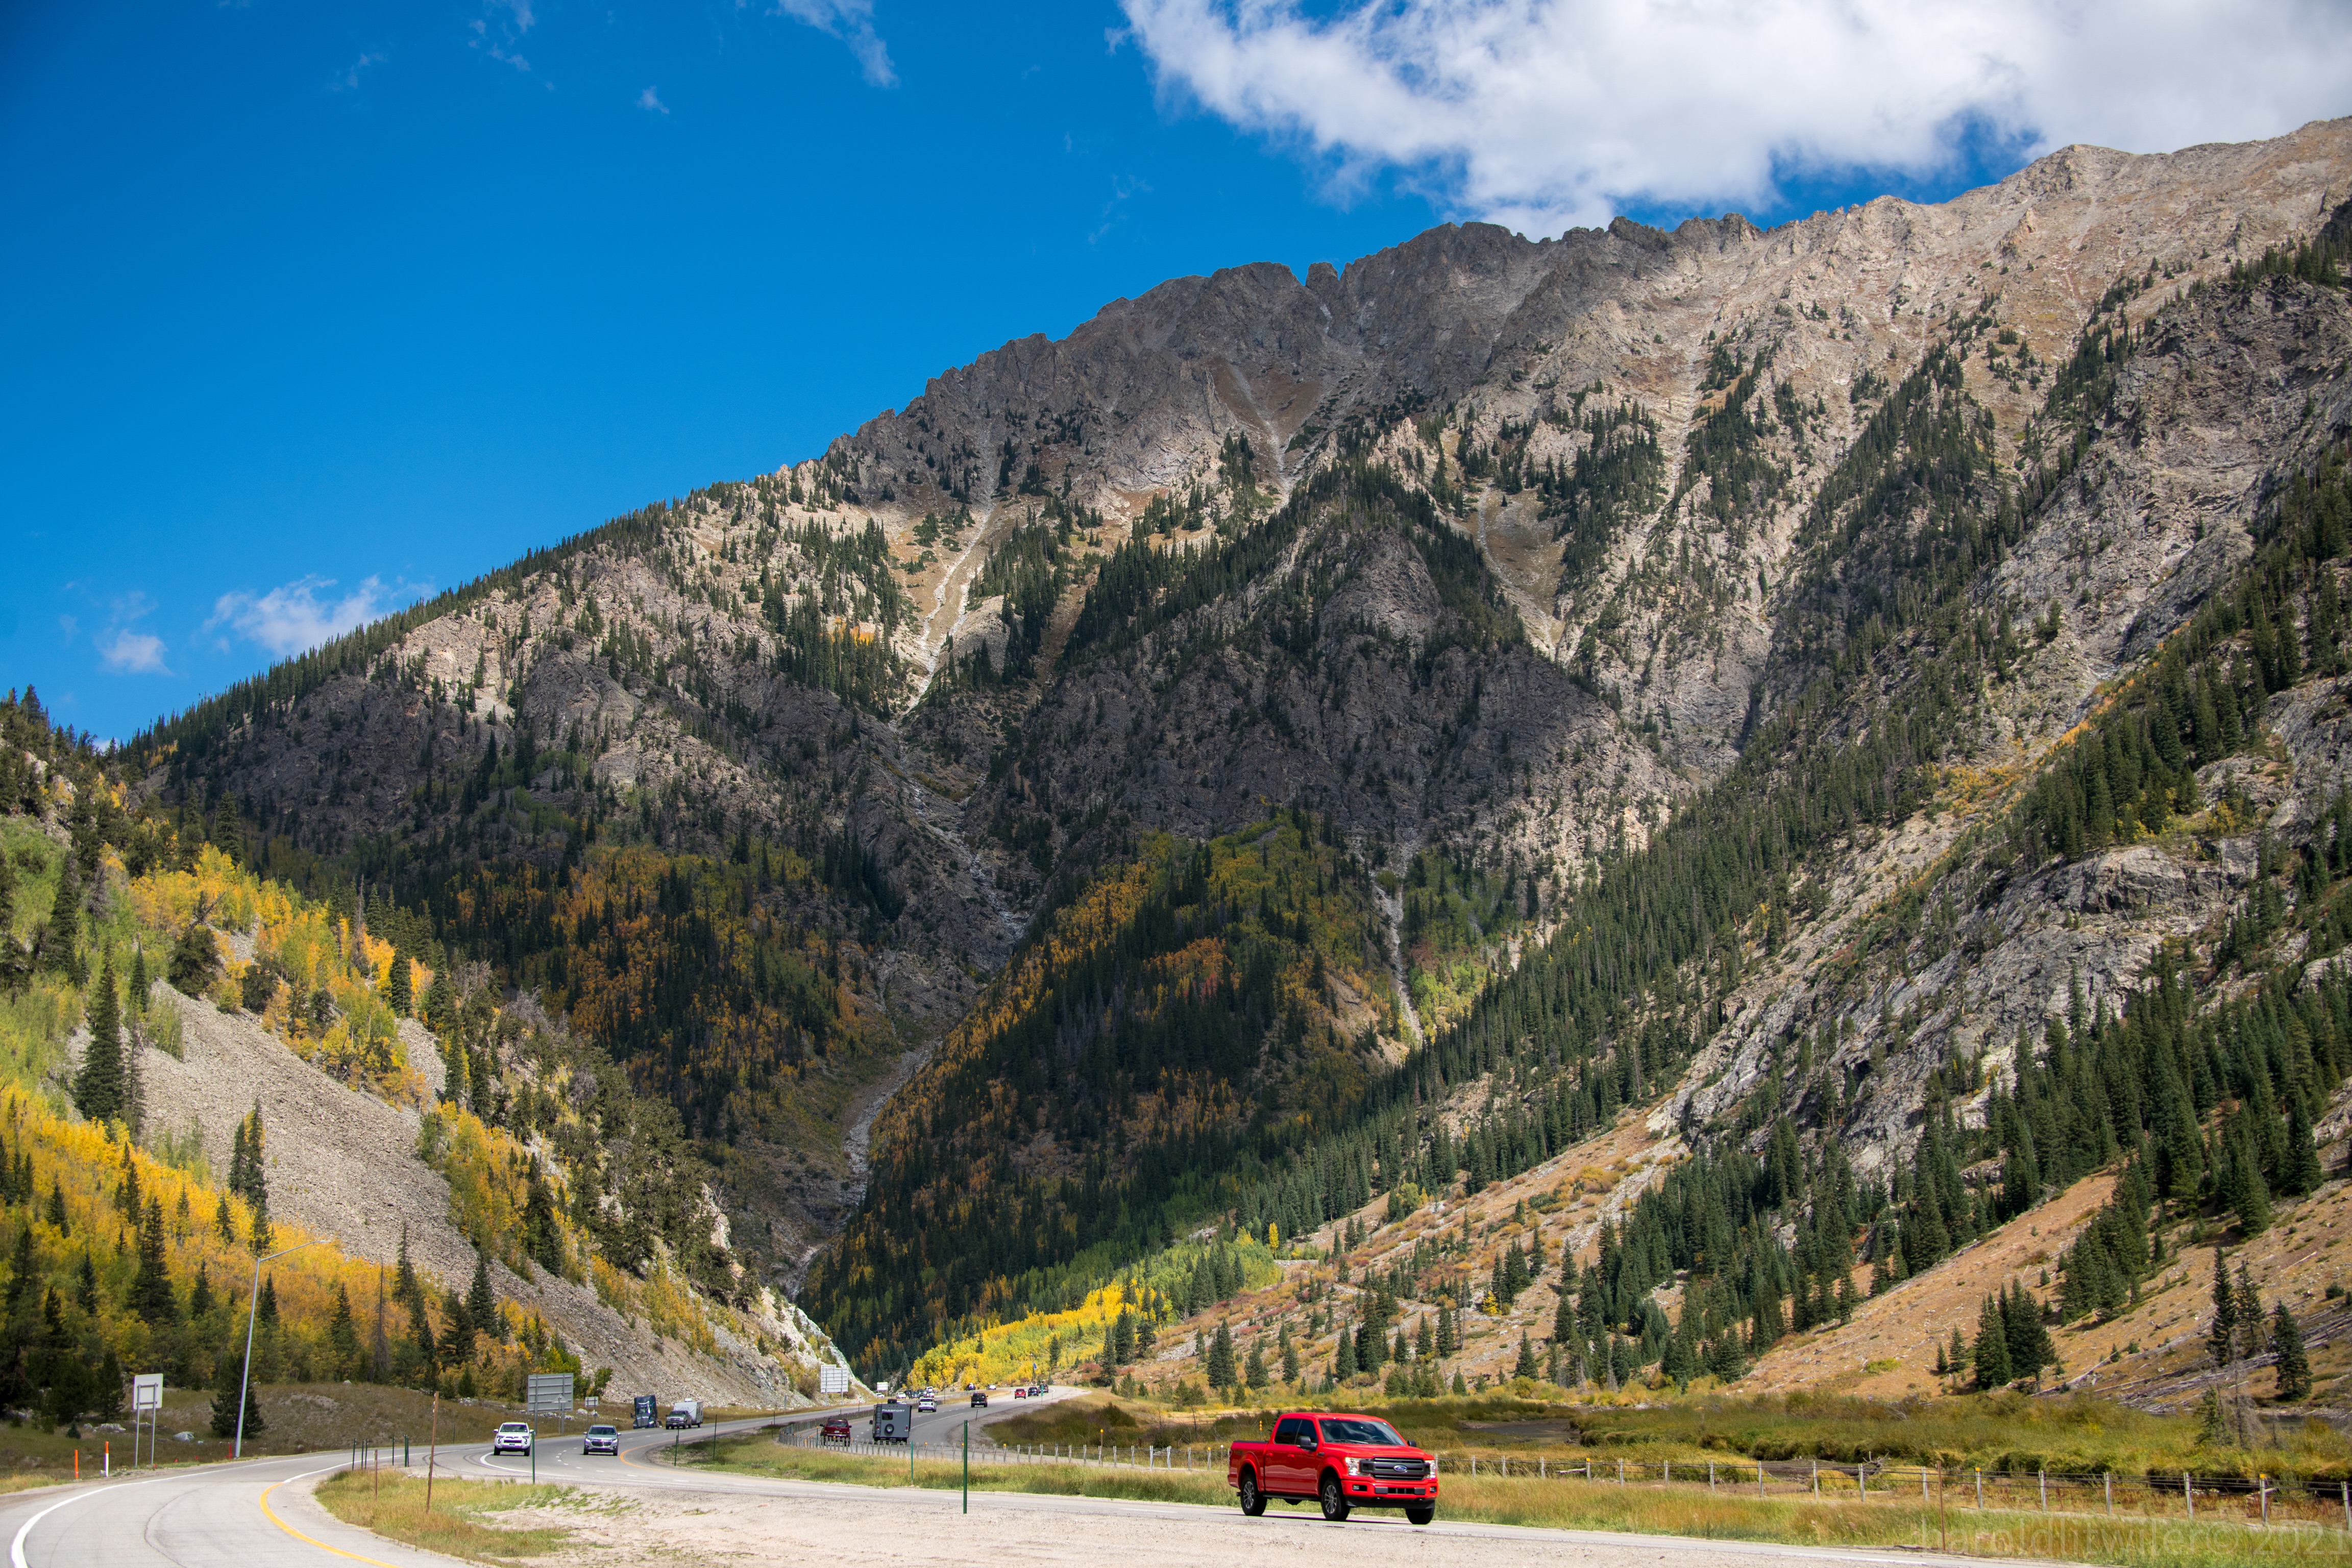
[462, 1522]
[1725, 1515]
[2077, 1434]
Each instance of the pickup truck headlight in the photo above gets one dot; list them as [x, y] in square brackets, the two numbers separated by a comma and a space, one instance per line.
[1432, 1467]
[1355, 1466]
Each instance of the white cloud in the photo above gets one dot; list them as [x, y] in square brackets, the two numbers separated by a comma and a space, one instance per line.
[651, 100]
[1544, 113]
[134, 653]
[349, 81]
[851, 21]
[292, 617]
[500, 28]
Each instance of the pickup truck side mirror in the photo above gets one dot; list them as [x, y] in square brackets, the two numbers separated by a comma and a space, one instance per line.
[1306, 1441]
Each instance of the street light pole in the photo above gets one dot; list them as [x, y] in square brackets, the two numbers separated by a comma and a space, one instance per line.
[244, 1379]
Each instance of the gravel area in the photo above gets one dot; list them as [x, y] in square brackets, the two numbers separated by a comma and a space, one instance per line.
[343, 1164]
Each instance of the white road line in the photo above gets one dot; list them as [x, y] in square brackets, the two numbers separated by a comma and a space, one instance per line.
[17, 1546]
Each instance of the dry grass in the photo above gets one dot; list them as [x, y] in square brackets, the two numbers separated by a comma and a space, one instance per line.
[460, 1524]
[1687, 1511]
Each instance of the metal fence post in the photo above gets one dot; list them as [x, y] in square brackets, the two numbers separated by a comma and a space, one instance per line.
[2187, 1497]
[1980, 1490]
[2109, 1478]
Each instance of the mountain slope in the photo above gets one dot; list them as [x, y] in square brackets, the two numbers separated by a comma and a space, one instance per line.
[1644, 614]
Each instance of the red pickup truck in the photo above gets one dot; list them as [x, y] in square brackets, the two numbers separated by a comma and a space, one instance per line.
[1344, 1462]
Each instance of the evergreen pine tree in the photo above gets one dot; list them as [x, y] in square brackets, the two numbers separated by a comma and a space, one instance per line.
[2301, 1173]
[441, 1001]
[62, 944]
[2294, 1364]
[1343, 1358]
[97, 1087]
[151, 1292]
[1290, 1356]
[258, 1185]
[1993, 1346]
[402, 990]
[228, 1374]
[343, 1336]
[2221, 1338]
[140, 981]
[200, 1294]
[1527, 1367]
[195, 960]
[85, 1284]
[482, 1304]
[1220, 1358]
[57, 1207]
[2248, 1313]
[1256, 1372]
[2243, 1189]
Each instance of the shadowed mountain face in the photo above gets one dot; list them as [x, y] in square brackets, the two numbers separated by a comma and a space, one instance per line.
[1721, 590]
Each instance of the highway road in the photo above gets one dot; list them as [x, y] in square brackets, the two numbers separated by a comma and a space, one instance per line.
[261, 1514]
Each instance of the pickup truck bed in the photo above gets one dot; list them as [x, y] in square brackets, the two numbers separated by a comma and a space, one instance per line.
[1340, 1462]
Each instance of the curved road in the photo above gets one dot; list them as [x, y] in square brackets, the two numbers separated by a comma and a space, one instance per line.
[261, 1514]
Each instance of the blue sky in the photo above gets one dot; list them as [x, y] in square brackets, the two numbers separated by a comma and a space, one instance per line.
[308, 308]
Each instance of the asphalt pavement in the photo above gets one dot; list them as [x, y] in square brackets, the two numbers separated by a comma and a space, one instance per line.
[260, 1513]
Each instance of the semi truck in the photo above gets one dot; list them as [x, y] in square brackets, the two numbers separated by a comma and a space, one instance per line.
[647, 1411]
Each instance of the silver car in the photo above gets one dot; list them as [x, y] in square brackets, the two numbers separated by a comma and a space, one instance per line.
[601, 1440]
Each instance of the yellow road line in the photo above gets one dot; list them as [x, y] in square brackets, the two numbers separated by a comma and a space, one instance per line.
[313, 1540]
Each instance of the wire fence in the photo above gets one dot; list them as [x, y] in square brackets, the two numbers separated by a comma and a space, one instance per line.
[2175, 1496]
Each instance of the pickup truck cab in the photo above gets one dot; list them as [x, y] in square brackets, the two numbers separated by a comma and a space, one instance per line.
[1341, 1462]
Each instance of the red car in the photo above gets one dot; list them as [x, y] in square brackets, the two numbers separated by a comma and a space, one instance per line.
[1343, 1462]
[835, 1430]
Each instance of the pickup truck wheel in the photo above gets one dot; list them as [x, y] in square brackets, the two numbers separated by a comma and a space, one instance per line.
[1335, 1501]
[1421, 1515]
[1253, 1499]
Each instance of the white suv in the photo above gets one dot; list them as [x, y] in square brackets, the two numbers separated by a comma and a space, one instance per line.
[513, 1438]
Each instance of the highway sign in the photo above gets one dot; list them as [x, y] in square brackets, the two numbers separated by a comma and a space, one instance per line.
[550, 1391]
[147, 1391]
[832, 1380]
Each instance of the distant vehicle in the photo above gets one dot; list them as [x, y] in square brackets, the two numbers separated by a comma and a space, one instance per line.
[647, 1411]
[512, 1437]
[1019, 1392]
[1343, 1462]
[893, 1422]
[835, 1431]
[685, 1413]
[979, 1397]
[926, 1404]
[601, 1440]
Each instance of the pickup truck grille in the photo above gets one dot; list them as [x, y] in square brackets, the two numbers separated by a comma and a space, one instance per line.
[1398, 1470]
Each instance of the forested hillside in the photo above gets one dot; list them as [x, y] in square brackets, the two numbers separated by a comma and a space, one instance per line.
[1858, 703]
[132, 1235]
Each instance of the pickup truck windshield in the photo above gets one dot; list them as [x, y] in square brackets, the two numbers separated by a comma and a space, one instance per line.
[1356, 1429]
